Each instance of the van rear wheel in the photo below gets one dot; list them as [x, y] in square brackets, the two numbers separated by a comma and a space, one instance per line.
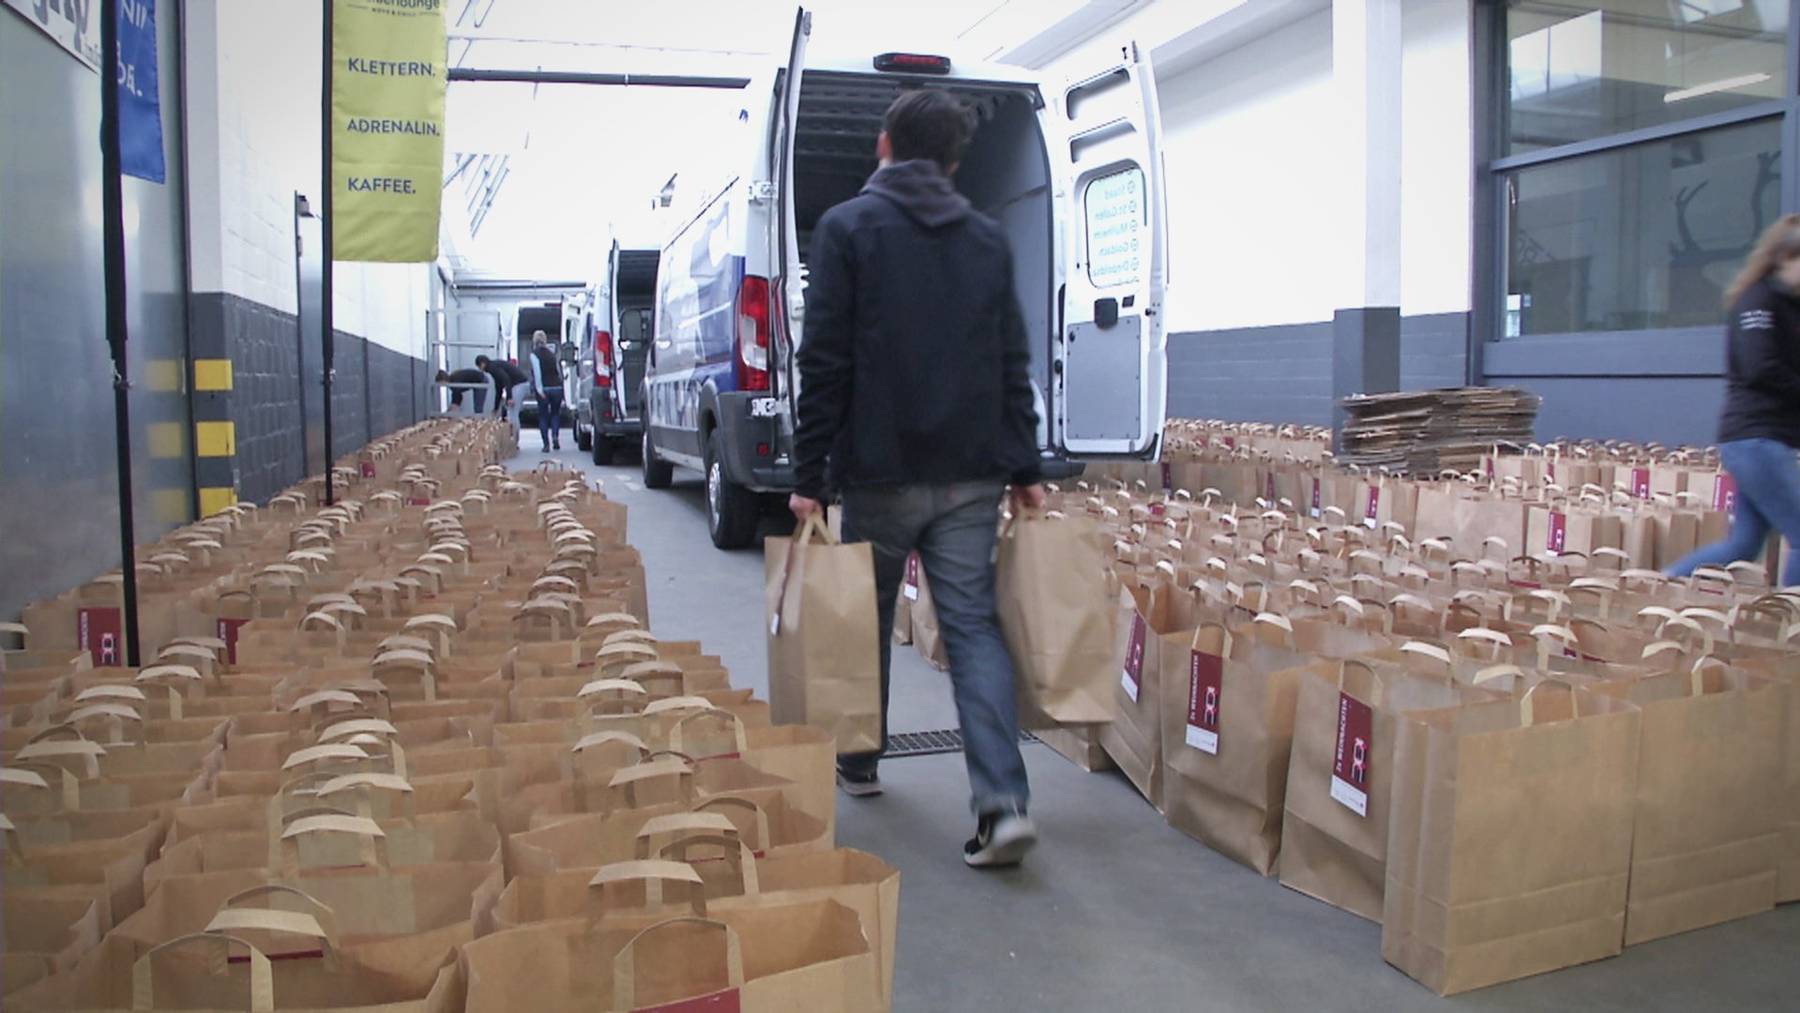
[732, 511]
[604, 450]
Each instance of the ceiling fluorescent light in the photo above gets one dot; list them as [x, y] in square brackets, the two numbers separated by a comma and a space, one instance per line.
[1727, 84]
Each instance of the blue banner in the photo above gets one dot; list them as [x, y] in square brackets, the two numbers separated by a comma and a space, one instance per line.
[140, 111]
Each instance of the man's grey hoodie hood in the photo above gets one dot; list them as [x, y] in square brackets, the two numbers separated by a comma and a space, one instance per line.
[920, 189]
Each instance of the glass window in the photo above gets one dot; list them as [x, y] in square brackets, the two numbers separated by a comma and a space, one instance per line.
[1116, 216]
[1582, 69]
[1641, 237]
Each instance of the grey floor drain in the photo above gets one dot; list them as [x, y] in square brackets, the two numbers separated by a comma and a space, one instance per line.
[945, 740]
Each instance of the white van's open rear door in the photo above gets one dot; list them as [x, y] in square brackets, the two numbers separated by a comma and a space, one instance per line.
[1113, 393]
[789, 290]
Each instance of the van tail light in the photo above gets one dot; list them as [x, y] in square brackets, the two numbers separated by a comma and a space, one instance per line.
[602, 359]
[753, 334]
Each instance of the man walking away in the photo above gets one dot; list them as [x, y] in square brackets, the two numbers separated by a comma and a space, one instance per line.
[546, 383]
[466, 376]
[915, 388]
[508, 379]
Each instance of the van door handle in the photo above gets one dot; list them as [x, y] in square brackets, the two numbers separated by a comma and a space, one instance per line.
[664, 343]
[1106, 312]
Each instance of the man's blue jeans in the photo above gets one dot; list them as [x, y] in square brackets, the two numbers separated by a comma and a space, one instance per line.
[1768, 498]
[549, 415]
[954, 530]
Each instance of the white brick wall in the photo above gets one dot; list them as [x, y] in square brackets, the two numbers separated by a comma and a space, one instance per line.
[253, 142]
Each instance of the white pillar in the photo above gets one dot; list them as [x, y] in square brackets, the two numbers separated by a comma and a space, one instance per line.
[1365, 70]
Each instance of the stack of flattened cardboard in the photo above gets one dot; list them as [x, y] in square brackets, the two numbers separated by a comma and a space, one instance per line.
[1425, 432]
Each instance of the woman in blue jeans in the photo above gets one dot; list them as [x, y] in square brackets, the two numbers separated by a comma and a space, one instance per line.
[1759, 428]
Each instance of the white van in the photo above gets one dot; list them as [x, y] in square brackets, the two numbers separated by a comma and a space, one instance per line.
[1074, 175]
[615, 343]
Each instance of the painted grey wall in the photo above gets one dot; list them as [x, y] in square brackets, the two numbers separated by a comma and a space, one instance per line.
[1283, 374]
[58, 494]
[1665, 386]
[1434, 351]
[272, 369]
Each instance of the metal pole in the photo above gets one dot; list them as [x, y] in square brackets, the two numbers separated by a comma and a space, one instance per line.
[327, 334]
[112, 206]
[587, 77]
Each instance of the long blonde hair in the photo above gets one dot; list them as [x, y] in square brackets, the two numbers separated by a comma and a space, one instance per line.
[1779, 243]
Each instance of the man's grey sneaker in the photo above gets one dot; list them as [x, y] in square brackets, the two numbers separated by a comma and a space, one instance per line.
[859, 785]
[1001, 840]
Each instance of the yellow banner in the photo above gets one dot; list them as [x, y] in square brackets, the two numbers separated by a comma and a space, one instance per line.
[387, 128]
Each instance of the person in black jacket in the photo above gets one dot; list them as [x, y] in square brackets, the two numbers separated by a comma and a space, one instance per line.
[916, 403]
[1759, 428]
[466, 376]
[508, 378]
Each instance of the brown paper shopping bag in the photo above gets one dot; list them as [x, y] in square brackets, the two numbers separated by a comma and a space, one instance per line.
[1147, 610]
[729, 876]
[903, 602]
[824, 649]
[1060, 620]
[45, 935]
[1509, 838]
[1334, 829]
[203, 972]
[1706, 847]
[755, 960]
[1228, 725]
[926, 635]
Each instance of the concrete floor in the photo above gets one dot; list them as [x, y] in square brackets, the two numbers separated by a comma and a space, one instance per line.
[1116, 910]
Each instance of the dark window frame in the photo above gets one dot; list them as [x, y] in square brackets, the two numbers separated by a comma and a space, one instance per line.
[1491, 168]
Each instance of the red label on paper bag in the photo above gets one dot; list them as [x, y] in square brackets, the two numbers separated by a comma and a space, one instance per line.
[1230, 443]
[1206, 680]
[1168, 477]
[1374, 509]
[1132, 679]
[910, 586]
[228, 632]
[100, 631]
[1318, 502]
[1355, 741]
[1158, 510]
[1559, 532]
[1550, 469]
[368, 469]
[1490, 466]
[728, 1001]
[419, 501]
[1640, 483]
[1269, 487]
[1725, 494]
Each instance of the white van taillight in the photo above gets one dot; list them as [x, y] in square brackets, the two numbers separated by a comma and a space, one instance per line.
[912, 63]
[602, 359]
[753, 334]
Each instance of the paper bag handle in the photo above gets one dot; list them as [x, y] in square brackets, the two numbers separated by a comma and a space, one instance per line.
[760, 840]
[1527, 709]
[32, 775]
[372, 840]
[625, 963]
[262, 978]
[740, 742]
[322, 918]
[736, 853]
[653, 873]
[1225, 634]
